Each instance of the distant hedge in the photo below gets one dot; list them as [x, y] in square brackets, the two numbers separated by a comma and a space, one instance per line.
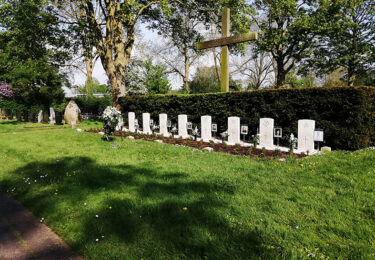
[347, 114]
[94, 105]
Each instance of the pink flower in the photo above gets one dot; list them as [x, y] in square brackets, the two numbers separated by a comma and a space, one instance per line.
[5, 90]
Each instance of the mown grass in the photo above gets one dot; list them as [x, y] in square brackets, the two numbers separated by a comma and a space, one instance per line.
[7, 126]
[158, 201]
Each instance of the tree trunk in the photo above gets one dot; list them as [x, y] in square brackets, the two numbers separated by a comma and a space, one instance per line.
[280, 73]
[89, 69]
[187, 69]
[351, 76]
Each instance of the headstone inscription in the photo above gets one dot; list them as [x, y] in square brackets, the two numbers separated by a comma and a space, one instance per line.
[266, 132]
[306, 135]
[131, 121]
[182, 126]
[234, 130]
[206, 133]
[146, 123]
[163, 122]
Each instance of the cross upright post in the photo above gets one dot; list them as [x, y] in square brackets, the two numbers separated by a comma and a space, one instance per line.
[223, 42]
[224, 60]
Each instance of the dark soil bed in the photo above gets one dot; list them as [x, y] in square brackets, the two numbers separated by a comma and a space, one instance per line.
[231, 149]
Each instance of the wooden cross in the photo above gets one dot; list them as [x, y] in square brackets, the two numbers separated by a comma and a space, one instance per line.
[224, 41]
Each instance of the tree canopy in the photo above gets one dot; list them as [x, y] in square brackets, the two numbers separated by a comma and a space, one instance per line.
[32, 46]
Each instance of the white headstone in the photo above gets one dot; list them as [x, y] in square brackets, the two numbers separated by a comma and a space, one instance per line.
[40, 116]
[131, 121]
[52, 116]
[146, 123]
[266, 132]
[234, 130]
[182, 126]
[206, 133]
[120, 123]
[306, 129]
[163, 122]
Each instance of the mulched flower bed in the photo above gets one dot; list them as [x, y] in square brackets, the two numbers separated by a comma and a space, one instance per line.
[231, 149]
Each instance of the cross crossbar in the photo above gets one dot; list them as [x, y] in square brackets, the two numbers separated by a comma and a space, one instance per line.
[227, 40]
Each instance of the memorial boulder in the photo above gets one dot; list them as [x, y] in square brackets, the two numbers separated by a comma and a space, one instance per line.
[72, 114]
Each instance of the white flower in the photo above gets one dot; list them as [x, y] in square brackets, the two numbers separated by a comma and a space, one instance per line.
[97, 240]
[195, 131]
[96, 216]
[224, 134]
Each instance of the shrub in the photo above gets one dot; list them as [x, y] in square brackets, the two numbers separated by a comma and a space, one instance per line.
[347, 115]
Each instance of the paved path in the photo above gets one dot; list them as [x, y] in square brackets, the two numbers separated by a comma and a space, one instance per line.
[23, 237]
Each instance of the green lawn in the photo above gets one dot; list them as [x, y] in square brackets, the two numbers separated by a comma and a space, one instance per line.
[8, 126]
[158, 201]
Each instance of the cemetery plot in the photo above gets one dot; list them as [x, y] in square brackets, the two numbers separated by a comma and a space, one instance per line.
[201, 145]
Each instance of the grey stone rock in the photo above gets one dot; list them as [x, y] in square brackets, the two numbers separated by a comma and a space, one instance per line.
[72, 114]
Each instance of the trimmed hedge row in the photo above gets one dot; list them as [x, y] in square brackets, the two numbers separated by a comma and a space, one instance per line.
[347, 115]
[93, 105]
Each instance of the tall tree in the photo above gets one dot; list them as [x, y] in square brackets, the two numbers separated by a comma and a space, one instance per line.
[257, 67]
[112, 28]
[288, 30]
[350, 45]
[187, 25]
[73, 17]
[179, 52]
[32, 47]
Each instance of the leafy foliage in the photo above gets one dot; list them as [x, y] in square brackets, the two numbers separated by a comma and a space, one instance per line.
[288, 30]
[350, 43]
[32, 45]
[206, 81]
[345, 114]
[93, 86]
[142, 77]
[156, 79]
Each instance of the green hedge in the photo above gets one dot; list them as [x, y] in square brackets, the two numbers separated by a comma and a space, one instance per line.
[93, 105]
[347, 115]
[21, 111]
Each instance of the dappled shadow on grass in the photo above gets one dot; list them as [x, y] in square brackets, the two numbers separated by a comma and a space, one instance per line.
[151, 213]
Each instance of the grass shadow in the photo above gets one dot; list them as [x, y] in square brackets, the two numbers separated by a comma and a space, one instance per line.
[142, 212]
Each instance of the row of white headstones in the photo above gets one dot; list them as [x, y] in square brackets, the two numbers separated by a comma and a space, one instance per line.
[306, 130]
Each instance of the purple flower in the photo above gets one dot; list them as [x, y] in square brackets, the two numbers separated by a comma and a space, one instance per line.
[5, 90]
